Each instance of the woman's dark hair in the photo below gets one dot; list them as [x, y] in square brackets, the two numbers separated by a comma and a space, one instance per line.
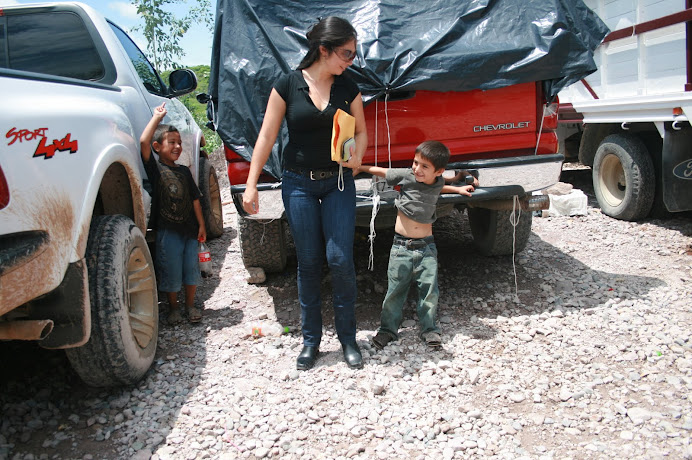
[331, 33]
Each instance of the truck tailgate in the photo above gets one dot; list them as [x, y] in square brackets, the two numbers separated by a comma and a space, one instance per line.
[474, 124]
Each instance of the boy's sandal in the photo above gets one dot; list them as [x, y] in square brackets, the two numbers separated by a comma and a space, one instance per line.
[193, 314]
[174, 316]
[432, 339]
[381, 340]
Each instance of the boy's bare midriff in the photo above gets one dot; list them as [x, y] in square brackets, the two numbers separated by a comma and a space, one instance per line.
[409, 228]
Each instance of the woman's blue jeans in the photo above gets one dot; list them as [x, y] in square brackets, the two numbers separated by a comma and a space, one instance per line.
[322, 222]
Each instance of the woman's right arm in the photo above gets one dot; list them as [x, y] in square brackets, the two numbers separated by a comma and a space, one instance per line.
[276, 109]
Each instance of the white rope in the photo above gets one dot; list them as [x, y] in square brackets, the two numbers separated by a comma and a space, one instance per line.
[375, 197]
[538, 138]
[264, 230]
[389, 136]
[376, 110]
[371, 237]
[514, 220]
[340, 178]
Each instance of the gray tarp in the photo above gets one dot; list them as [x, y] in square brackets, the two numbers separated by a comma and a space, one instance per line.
[438, 45]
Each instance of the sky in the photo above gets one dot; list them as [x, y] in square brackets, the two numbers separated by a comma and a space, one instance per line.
[196, 42]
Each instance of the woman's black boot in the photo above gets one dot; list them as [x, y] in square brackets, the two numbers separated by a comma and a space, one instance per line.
[307, 358]
[352, 355]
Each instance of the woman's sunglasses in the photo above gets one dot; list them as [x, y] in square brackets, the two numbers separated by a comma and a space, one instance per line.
[346, 55]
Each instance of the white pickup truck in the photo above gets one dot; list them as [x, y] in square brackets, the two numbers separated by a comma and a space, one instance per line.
[75, 266]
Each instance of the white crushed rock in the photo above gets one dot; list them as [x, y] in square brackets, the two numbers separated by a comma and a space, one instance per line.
[593, 360]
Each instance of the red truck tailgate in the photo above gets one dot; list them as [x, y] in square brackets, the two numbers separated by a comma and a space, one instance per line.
[474, 124]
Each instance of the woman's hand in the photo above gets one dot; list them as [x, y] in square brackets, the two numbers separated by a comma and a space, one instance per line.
[251, 200]
[354, 161]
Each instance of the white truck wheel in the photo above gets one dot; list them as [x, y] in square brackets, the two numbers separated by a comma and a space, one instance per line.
[124, 305]
[211, 199]
[623, 177]
[494, 234]
[262, 243]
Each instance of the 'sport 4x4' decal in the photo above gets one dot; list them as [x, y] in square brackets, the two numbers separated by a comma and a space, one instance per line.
[44, 149]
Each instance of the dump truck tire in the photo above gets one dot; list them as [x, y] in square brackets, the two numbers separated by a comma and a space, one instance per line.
[623, 177]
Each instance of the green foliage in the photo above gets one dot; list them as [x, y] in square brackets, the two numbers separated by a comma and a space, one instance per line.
[199, 111]
[163, 29]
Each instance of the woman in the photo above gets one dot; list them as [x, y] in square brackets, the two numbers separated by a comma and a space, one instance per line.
[320, 205]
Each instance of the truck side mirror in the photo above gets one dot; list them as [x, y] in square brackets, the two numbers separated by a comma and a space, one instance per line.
[182, 81]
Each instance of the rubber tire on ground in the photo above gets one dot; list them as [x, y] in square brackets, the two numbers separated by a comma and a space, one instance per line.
[262, 243]
[124, 305]
[494, 234]
[212, 210]
[623, 177]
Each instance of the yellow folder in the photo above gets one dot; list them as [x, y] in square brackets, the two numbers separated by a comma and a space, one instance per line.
[344, 129]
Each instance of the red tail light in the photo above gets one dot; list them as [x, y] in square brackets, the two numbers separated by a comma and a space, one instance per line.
[547, 138]
[4, 191]
[231, 156]
[550, 117]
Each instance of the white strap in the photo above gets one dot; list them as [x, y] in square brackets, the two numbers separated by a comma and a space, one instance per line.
[514, 220]
[340, 179]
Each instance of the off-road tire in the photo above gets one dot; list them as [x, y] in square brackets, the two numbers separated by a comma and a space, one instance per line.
[212, 210]
[623, 177]
[124, 305]
[262, 243]
[495, 235]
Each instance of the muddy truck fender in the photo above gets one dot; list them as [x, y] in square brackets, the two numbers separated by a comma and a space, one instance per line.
[76, 270]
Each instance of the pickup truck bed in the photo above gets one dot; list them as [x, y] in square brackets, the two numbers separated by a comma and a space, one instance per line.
[437, 70]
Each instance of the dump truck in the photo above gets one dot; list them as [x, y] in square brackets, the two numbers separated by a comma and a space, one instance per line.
[630, 120]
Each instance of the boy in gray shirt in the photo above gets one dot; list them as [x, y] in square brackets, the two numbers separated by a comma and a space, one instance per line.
[413, 257]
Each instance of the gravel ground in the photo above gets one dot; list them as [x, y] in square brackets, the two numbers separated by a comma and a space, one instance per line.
[589, 355]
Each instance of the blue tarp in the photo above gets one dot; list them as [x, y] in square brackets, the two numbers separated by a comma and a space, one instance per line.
[435, 45]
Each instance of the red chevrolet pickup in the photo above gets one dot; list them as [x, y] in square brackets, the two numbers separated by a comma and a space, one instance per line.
[506, 137]
[448, 77]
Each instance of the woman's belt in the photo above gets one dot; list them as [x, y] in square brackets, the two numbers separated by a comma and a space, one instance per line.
[314, 174]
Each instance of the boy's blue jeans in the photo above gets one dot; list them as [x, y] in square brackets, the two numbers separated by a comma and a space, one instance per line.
[408, 265]
[177, 261]
[322, 221]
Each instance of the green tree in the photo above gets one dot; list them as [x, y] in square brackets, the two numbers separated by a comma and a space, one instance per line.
[163, 30]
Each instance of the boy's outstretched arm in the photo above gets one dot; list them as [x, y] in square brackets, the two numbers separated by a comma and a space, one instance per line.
[148, 133]
[461, 189]
[460, 177]
[374, 170]
[202, 233]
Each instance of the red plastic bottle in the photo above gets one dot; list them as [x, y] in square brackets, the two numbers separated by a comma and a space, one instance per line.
[204, 260]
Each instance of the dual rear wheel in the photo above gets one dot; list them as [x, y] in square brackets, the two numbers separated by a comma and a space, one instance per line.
[623, 177]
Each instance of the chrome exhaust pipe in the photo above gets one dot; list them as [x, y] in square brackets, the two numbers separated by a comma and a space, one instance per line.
[527, 203]
[26, 330]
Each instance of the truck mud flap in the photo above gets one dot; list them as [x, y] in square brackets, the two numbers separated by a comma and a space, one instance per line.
[677, 167]
[68, 306]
